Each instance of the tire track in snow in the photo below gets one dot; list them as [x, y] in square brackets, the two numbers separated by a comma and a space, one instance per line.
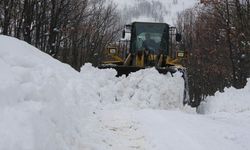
[121, 131]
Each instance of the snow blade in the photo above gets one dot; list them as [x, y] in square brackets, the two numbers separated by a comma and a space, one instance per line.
[126, 70]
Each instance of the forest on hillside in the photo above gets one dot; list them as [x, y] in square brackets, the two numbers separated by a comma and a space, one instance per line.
[215, 34]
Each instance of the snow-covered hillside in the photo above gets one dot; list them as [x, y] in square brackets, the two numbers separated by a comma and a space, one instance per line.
[46, 105]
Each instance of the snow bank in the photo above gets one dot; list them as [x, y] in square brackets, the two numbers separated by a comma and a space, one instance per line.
[38, 105]
[232, 100]
[45, 104]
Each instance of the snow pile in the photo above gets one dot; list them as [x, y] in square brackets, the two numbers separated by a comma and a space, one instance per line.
[45, 104]
[143, 89]
[232, 100]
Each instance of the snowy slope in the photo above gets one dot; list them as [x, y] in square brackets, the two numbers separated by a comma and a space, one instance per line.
[47, 105]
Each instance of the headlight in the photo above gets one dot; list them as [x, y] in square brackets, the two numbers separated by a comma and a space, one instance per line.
[112, 51]
[181, 54]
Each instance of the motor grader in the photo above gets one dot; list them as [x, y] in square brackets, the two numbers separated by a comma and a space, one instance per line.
[149, 45]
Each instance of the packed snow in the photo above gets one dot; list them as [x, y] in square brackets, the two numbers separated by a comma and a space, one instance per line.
[47, 105]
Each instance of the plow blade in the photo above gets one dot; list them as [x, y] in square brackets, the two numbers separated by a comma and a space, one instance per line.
[126, 70]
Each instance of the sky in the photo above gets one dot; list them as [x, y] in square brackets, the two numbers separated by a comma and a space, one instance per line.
[186, 3]
[174, 9]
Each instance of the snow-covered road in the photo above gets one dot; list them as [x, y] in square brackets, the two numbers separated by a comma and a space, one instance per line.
[149, 129]
[46, 105]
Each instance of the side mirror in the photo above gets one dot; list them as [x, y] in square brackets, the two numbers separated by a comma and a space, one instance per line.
[123, 34]
[178, 37]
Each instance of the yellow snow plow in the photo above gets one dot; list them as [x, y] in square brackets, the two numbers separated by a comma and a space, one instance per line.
[148, 45]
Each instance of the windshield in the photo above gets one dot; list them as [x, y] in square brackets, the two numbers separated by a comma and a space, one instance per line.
[150, 36]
